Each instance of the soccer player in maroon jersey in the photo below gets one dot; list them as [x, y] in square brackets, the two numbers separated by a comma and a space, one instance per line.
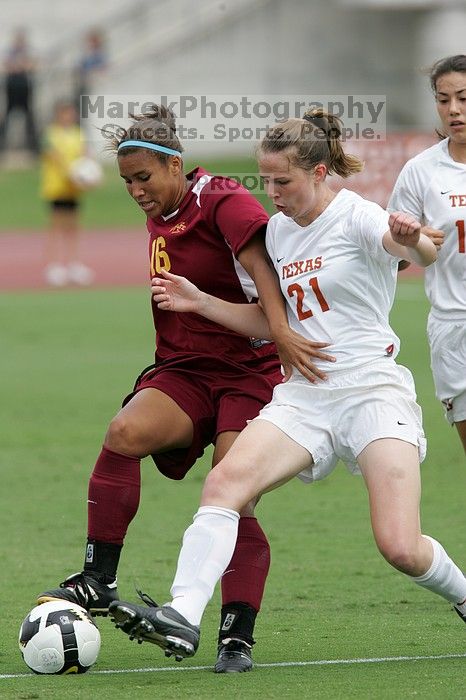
[207, 381]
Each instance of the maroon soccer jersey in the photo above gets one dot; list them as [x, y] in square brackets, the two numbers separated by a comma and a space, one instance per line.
[215, 220]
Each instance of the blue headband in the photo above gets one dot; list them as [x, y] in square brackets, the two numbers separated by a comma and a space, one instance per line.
[151, 146]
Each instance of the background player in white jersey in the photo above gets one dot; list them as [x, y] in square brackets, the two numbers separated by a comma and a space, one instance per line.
[432, 187]
[336, 256]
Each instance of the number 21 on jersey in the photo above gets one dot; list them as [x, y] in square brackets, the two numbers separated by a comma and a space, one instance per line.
[296, 290]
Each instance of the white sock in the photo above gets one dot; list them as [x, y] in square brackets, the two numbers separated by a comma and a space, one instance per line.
[208, 545]
[444, 577]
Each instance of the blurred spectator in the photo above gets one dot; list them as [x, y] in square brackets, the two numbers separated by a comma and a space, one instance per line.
[93, 62]
[19, 74]
[64, 145]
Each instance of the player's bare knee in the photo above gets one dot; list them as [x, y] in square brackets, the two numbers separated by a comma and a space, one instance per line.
[122, 437]
[221, 487]
[400, 555]
[215, 486]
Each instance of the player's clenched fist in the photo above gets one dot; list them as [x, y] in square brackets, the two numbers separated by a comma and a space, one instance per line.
[404, 228]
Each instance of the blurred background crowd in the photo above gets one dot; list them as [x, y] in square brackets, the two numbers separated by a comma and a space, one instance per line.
[52, 50]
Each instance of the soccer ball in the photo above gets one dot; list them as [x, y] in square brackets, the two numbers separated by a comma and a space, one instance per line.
[85, 173]
[59, 637]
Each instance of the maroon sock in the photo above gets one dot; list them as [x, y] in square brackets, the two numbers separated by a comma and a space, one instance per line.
[245, 576]
[113, 496]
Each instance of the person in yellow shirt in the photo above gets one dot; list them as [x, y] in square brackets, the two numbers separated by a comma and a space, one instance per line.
[64, 145]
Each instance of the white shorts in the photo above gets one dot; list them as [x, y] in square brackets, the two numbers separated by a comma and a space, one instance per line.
[447, 340]
[338, 418]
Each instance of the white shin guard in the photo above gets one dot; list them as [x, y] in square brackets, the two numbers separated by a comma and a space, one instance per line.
[208, 545]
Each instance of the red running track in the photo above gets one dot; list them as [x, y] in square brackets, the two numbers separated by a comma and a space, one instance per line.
[118, 258]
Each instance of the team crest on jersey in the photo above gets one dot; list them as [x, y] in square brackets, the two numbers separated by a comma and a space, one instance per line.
[178, 228]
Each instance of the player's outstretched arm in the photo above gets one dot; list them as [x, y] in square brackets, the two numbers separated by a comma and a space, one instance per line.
[175, 293]
[405, 240]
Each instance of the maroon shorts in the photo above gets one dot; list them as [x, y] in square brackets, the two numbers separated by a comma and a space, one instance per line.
[218, 396]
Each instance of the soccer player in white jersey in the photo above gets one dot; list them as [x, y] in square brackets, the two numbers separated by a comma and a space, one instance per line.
[336, 256]
[432, 187]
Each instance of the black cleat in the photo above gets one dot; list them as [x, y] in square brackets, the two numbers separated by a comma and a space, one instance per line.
[161, 625]
[234, 656]
[462, 616]
[84, 590]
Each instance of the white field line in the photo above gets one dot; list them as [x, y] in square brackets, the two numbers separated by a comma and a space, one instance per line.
[278, 664]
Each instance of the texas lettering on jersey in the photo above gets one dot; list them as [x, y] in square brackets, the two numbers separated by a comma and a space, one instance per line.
[301, 267]
[457, 200]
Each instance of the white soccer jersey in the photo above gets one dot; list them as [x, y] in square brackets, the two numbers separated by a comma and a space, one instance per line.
[432, 187]
[338, 279]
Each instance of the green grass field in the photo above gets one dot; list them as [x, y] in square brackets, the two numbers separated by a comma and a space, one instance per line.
[67, 359]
